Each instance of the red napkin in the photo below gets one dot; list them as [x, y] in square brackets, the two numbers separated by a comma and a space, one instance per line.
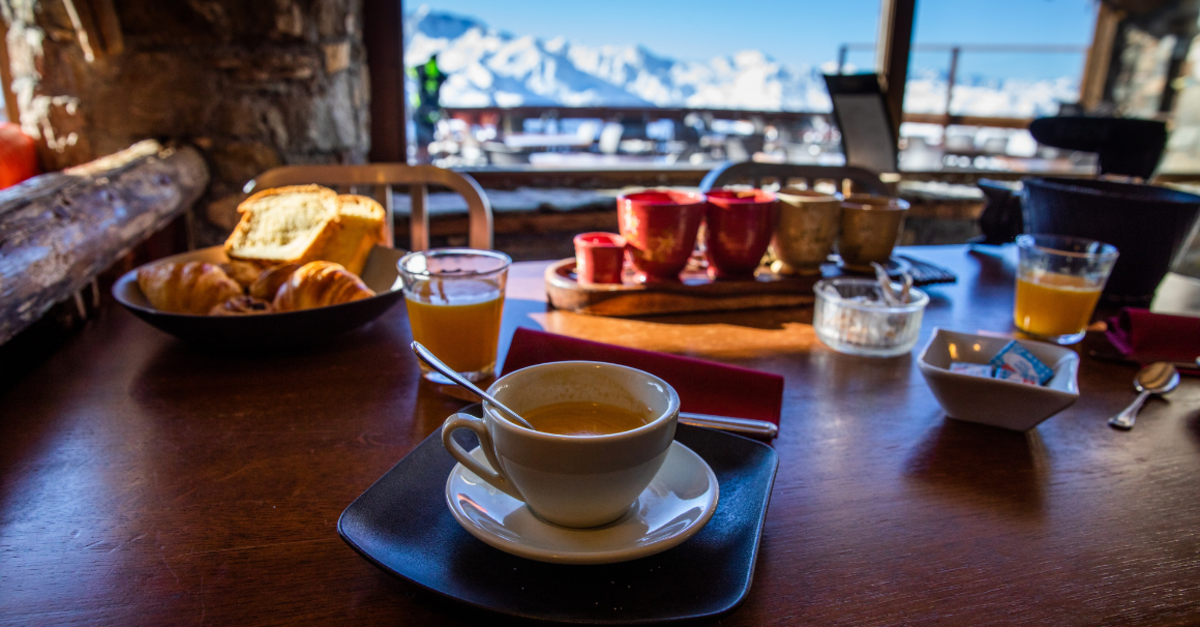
[1147, 337]
[704, 387]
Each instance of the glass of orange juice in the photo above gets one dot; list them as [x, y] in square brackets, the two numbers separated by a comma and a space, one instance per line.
[455, 297]
[1059, 280]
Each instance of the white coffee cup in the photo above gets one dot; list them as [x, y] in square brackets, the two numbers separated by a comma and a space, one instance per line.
[571, 480]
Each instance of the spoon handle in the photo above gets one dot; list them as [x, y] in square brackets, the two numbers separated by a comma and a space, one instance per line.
[432, 361]
[1125, 419]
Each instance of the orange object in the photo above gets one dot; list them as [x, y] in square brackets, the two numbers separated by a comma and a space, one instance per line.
[462, 328]
[18, 155]
[1051, 304]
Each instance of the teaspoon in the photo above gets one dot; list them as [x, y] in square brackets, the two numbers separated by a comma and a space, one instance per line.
[428, 357]
[1157, 378]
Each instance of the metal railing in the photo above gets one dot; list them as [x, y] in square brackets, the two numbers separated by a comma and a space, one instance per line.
[955, 51]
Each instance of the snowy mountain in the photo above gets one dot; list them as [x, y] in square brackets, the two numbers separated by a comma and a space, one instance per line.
[487, 67]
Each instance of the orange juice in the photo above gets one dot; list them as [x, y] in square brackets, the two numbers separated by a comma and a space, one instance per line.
[459, 321]
[1051, 304]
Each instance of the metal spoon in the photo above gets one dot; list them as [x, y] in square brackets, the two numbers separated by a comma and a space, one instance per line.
[1157, 378]
[885, 285]
[426, 356]
[749, 426]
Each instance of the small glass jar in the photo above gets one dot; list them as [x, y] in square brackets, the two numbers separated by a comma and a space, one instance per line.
[851, 316]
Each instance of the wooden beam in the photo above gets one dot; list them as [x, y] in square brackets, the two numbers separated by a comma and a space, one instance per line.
[1099, 56]
[59, 230]
[383, 36]
[12, 111]
[967, 120]
[108, 25]
[891, 58]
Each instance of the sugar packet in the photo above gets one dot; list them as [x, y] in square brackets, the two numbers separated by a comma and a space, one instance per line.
[1004, 374]
[975, 370]
[1017, 359]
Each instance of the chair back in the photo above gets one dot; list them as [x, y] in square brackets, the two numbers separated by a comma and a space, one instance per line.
[754, 173]
[377, 180]
[861, 110]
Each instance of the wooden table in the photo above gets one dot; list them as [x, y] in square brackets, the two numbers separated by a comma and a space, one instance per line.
[147, 482]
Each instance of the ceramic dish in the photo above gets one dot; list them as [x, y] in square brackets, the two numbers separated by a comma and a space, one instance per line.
[678, 502]
[402, 525]
[271, 329]
[1006, 404]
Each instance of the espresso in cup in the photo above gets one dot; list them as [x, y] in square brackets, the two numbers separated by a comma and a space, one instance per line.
[583, 418]
[602, 432]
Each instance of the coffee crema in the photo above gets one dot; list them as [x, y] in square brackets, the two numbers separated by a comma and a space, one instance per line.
[583, 418]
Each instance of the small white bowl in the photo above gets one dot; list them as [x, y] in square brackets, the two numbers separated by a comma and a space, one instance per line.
[1005, 404]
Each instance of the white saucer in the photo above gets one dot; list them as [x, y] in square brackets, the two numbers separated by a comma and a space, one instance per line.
[678, 503]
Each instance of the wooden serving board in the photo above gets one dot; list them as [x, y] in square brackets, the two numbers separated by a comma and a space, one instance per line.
[695, 292]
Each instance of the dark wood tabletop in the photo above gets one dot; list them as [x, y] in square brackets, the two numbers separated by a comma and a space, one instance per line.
[144, 481]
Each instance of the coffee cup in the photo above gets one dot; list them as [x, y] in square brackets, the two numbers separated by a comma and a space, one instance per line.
[592, 469]
[806, 230]
[870, 227]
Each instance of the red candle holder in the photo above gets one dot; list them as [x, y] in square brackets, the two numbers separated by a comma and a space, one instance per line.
[740, 224]
[599, 258]
[659, 227]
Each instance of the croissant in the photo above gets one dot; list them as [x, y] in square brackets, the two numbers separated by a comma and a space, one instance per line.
[320, 284]
[241, 306]
[194, 287]
[266, 285]
[243, 272]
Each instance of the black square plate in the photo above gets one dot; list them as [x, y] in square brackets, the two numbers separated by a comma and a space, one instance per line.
[402, 525]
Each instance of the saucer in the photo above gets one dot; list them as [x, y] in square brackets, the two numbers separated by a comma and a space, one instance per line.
[895, 266]
[679, 502]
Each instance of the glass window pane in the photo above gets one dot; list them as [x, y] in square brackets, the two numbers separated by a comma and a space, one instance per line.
[542, 81]
[1006, 62]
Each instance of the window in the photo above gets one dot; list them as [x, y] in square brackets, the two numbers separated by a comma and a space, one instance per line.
[994, 66]
[630, 82]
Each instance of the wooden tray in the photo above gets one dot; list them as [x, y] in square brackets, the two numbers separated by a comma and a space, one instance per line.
[696, 292]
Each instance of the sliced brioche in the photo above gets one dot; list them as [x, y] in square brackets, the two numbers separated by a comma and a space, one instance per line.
[361, 228]
[285, 225]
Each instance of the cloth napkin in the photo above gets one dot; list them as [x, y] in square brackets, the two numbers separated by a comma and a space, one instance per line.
[704, 387]
[1148, 337]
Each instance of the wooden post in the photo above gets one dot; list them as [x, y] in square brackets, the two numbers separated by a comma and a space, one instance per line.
[59, 230]
[891, 54]
[950, 79]
[1099, 56]
[383, 35]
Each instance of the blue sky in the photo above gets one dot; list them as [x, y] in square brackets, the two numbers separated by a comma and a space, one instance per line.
[802, 31]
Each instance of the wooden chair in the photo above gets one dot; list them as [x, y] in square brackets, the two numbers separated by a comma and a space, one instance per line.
[377, 180]
[754, 173]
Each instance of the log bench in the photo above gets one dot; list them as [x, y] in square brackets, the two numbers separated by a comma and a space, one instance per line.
[58, 231]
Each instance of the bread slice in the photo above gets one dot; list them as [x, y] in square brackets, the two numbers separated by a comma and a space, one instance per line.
[285, 225]
[361, 221]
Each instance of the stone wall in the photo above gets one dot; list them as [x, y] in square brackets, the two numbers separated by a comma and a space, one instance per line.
[252, 83]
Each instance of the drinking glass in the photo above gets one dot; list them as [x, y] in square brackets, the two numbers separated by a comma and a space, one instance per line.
[455, 298]
[1059, 280]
